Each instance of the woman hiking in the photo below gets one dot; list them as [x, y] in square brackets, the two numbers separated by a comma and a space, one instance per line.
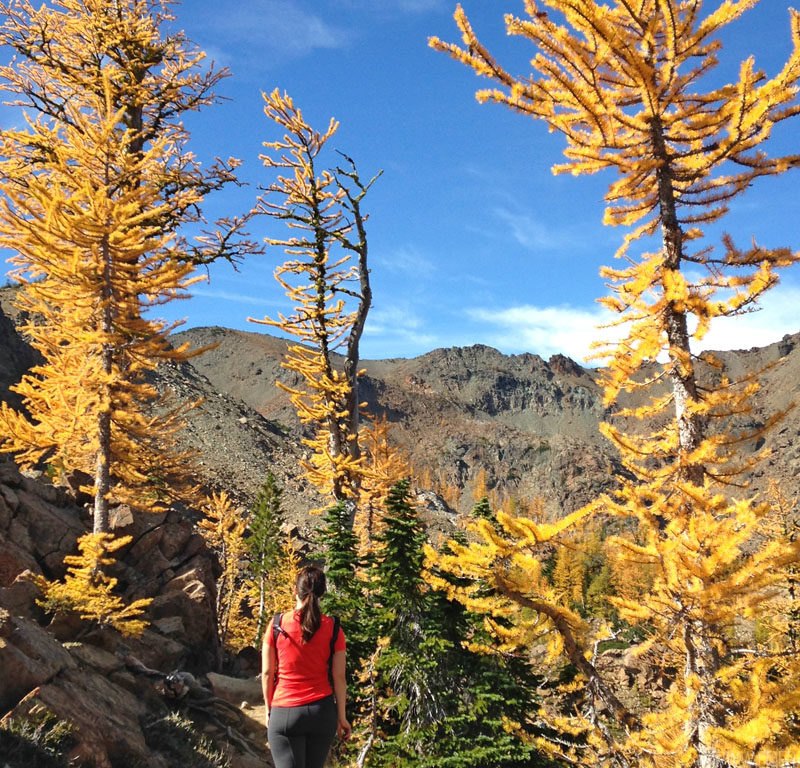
[303, 679]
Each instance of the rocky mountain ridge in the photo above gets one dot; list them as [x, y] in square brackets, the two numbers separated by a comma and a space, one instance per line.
[531, 425]
[525, 425]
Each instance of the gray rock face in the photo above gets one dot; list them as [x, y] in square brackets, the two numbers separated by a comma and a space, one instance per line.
[527, 426]
[530, 425]
[16, 357]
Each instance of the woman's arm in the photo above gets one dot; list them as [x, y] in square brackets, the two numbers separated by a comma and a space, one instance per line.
[268, 664]
[340, 692]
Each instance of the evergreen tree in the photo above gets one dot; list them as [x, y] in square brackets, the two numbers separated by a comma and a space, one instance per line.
[439, 703]
[349, 597]
[340, 555]
[483, 509]
[348, 587]
[265, 543]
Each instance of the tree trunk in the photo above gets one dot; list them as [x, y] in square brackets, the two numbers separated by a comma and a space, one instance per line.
[336, 441]
[102, 478]
[364, 304]
[681, 374]
[261, 605]
[102, 481]
[701, 660]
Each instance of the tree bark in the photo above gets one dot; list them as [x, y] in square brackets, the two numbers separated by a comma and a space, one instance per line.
[364, 304]
[681, 373]
[102, 481]
[701, 660]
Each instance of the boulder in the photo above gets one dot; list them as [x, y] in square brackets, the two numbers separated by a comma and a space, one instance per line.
[236, 690]
[174, 539]
[19, 598]
[51, 530]
[105, 716]
[246, 695]
[188, 598]
[247, 662]
[185, 610]
[9, 474]
[14, 560]
[120, 516]
[155, 650]
[29, 657]
[146, 556]
[9, 501]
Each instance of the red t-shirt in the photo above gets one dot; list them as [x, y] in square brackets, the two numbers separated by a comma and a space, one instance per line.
[303, 667]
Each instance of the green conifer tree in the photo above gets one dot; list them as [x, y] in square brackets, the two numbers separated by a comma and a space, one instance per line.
[483, 509]
[348, 595]
[439, 703]
[265, 542]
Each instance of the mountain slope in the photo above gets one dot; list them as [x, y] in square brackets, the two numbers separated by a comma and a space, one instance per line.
[531, 424]
[528, 425]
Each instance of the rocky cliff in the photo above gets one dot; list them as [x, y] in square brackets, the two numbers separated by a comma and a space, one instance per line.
[530, 424]
[119, 694]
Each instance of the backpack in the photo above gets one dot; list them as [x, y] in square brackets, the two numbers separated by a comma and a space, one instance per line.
[277, 630]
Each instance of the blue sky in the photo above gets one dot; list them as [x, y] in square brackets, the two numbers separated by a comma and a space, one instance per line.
[472, 239]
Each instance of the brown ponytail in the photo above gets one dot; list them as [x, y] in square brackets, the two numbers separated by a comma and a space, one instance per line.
[310, 587]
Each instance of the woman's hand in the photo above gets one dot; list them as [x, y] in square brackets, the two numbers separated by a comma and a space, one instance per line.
[343, 729]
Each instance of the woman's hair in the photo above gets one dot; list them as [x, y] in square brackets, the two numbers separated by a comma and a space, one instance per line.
[310, 587]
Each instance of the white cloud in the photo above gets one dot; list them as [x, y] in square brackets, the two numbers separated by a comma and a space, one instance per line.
[533, 234]
[571, 330]
[239, 298]
[545, 331]
[778, 316]
[407, 260]
[395, 331]
[278, 25]
[219, 56]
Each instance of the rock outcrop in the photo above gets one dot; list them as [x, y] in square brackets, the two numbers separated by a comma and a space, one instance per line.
[16, 357]
[109, 687]
[529, 426]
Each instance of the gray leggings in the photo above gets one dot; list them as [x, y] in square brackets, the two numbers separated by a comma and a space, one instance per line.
[300, 737]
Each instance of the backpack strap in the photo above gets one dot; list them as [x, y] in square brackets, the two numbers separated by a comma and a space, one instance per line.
[276, 630]
[334, 635]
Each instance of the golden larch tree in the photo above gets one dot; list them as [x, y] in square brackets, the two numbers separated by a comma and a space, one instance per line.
[384, 466]
[223, 527]
[330, 293]
[622, 83]
[95, 187]
[88, 591]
